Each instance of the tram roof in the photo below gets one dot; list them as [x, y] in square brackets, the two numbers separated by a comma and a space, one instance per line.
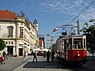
[70, 36]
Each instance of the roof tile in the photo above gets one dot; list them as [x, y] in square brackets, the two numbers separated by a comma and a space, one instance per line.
[5, 14]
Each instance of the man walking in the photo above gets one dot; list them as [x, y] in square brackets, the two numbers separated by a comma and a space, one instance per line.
[35, 56]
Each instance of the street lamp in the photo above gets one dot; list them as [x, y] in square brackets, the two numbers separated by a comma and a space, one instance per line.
[55, 29]
[52, 36]
[47, 40]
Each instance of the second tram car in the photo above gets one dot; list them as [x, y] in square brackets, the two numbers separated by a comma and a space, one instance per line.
[72, 49]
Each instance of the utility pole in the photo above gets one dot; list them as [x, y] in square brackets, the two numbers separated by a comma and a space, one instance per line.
[78, 29]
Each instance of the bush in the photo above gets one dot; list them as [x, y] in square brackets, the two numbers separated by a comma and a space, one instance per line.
[2, 44]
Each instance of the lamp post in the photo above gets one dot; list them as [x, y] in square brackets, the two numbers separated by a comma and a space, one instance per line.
[52, 36]
[47, 40]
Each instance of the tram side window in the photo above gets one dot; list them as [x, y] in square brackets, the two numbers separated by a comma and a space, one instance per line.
[67, 45]
[75, 45]
[80, 44]
[70, 43]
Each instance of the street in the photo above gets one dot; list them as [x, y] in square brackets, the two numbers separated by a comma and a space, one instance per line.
[42, 65]
[20, 64]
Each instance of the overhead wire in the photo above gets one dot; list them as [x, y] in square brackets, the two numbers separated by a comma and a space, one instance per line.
[69, 24]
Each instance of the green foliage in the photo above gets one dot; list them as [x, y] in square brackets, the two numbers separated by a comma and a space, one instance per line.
[85, 27]
[2, 44]
[89, 31]
[91, 20]
[86, 24]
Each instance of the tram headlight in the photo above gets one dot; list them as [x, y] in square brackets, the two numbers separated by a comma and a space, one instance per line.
[78, 55]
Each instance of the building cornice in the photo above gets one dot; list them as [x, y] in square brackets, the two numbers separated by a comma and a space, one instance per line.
[11, 20]
[19, 20]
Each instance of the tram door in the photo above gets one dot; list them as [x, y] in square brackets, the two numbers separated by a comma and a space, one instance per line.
[65, 47]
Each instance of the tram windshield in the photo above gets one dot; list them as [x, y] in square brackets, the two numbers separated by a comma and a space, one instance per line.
[78, 43]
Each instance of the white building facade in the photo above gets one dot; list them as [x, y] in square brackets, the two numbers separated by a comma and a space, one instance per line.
[19, 34]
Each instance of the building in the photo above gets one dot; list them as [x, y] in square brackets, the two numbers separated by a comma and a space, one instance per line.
[41, 42]
[19, 34]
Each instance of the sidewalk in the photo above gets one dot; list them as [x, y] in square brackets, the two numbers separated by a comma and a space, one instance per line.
[11, 63]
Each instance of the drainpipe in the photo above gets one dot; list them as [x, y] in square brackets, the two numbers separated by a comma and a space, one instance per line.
[16, 38]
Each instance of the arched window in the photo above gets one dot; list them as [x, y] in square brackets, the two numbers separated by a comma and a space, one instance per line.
[10, 31]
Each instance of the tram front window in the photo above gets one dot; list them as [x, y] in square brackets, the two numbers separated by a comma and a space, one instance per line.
[78, 43]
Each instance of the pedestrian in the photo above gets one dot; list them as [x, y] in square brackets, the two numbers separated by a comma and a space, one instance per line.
[55, 56]
[7, 55]
[35, 56]
[24, 54]
[4, 55]
[52, 56]
[48, 56]
[44, 54]
[2, 59]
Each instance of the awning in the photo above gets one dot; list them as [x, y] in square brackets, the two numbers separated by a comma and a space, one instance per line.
[37, 49]
[45, 50]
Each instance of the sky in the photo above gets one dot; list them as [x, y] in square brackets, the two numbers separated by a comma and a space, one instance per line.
[52, 13]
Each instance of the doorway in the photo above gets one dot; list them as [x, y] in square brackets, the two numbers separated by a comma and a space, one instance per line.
[10, 50]
[20, 51]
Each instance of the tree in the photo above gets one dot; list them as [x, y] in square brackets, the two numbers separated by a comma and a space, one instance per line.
[89, 31]
[2, 44]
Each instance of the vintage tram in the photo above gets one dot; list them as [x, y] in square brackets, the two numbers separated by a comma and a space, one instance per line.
[71, 49]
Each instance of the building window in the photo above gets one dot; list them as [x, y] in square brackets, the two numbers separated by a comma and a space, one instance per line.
[11, 42]
[10, 31]
[21, 32]
[6, 42]
[28, 44]
[20, 45]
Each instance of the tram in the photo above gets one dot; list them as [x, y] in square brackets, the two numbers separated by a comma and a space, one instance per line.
[71, 49]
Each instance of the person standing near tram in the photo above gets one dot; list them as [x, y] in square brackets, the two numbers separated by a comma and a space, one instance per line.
[48, 56]
[52, 55]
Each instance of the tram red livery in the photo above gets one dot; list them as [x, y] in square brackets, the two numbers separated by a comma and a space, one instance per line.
[71, 49]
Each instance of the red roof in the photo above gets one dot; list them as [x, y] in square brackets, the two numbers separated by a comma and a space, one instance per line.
[5, 14]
